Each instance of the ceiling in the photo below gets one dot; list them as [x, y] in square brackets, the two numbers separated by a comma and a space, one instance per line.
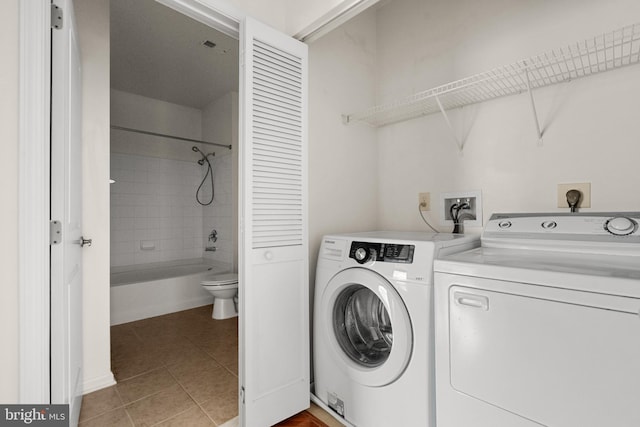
[158, 53]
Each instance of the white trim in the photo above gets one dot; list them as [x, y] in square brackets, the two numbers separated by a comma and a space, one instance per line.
[98, 383]
[333, 19]
[217, 15]
[33, 202]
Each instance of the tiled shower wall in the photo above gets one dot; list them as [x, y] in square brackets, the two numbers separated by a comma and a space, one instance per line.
[219, 215]
[153, 206]
[154, 213]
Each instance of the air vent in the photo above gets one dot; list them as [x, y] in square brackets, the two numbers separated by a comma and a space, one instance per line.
[209, 44]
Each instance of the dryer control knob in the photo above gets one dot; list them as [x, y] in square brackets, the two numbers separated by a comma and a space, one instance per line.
[620, 226]
[362, 255]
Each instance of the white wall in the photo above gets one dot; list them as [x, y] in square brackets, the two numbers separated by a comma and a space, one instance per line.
[302, 13]
[287, 16]
[9, 213]
[93, 28]
[343, 189]
[272, 13]
[139, 112]
[590, 125]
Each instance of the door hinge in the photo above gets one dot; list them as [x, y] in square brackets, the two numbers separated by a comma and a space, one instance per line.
[56, 17]
[55, 232]
[242, 394]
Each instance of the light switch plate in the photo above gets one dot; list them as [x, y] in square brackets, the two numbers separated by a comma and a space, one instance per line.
[584, 188]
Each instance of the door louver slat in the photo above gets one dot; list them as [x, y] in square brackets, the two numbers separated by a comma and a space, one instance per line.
[268, 99]
[277, 211]
[278, 63]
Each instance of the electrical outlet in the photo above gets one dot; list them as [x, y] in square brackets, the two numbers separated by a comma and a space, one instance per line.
[585, 190]
[424, 199]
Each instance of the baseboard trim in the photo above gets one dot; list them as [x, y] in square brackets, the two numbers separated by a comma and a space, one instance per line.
[95, 384]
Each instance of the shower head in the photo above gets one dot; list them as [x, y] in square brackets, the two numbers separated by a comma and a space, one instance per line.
[197, 150]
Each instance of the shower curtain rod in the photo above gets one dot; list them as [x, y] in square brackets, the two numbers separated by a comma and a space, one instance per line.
[161, 135]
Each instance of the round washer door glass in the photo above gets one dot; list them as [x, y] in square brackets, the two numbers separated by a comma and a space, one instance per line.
[362, 326]
[366, 326]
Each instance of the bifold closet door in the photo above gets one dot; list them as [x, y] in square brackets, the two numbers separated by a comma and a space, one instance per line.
[274, 268]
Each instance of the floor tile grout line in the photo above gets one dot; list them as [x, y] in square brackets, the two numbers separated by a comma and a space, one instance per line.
[154, 393]
[135, 333]
[101, 414]
[194, 400]
[139, 375]
[158, 392]
[121, 406]
[186, 321]
[133, 423]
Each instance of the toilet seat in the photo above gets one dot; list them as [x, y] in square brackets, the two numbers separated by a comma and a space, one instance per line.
[221, 287]
[220, 280]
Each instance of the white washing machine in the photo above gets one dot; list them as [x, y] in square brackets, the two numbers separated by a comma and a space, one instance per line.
[373, 325]
[540, 326]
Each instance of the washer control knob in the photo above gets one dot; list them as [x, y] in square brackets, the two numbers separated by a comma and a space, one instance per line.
[549, 225]
[362, 255]
[620, 226]
[505, 224]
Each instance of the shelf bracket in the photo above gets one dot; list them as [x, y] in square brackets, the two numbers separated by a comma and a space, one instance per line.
[459, 144]
[533, 106]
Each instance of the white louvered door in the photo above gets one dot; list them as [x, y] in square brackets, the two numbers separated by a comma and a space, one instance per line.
[273, 264]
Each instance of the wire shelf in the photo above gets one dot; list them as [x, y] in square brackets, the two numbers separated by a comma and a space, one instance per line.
[601, 53]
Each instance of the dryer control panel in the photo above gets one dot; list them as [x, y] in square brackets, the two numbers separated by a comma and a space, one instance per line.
[384, 252]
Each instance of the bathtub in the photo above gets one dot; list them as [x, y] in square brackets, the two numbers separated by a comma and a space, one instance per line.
[147, 290]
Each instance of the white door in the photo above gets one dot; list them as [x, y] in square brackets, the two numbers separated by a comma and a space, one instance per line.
[273, 270]
[66, 208]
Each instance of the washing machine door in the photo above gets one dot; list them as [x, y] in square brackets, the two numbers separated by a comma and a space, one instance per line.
[366, 326]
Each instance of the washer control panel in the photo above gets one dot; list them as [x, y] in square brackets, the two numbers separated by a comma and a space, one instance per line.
[363, 252]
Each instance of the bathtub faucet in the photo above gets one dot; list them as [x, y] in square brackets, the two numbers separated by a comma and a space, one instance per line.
[213, 237]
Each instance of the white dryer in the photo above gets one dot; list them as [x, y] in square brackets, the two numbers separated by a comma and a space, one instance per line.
[373, 327]
[540, 326]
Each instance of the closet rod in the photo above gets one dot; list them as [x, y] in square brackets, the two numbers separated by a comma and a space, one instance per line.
[161, 135]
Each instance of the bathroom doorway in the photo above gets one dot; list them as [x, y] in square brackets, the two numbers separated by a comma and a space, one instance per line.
[273, 252]
[174, 162]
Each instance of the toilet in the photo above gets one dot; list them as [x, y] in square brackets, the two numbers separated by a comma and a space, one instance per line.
[224, 288]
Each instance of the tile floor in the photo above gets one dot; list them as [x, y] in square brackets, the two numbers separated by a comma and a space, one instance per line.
[180, 369]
